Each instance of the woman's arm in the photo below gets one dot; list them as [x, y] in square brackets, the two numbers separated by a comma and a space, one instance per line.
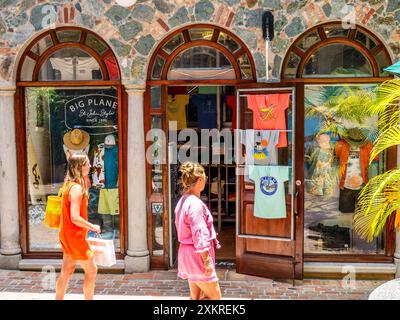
[75, 196]
[208, 263]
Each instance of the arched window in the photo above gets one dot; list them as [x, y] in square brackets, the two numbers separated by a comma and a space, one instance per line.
[201, 52]
[329, 50]
[68, 54]
[68, 101]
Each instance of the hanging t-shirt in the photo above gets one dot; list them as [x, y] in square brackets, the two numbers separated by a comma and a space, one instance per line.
[354, 179]
[98, 176]
[84, 67]
[231, 103]
[206, 105]
[269, 197]
[111, 166]
[261, 146]
[176, 109]
[269, 112]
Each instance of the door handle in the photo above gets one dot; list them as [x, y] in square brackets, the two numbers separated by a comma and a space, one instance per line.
[296, 198]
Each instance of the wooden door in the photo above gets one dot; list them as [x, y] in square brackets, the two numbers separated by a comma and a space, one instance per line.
[269, 231]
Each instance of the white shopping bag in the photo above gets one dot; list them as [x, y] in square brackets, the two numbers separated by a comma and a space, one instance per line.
[104, 253]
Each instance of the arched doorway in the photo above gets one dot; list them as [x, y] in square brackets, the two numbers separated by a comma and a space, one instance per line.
[337, 68]
[195, 60]
[69, 100]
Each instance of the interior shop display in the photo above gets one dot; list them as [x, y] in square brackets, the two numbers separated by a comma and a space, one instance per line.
[261, 146]
[76, 141]
[322, 180]
[269, 112]
[231, 104]
[75, 68]
[176, 109]
[353, 152]
[206, 106]
[269, 196]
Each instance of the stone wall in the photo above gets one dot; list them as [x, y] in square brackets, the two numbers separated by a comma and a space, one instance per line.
[133, 32]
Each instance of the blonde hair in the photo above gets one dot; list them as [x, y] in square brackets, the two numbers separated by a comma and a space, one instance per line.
[191, 172]
[74, 169]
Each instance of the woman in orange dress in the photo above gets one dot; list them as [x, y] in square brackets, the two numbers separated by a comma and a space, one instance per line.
[74, 228]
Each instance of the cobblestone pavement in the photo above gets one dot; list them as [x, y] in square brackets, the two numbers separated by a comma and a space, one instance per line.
[166, 285]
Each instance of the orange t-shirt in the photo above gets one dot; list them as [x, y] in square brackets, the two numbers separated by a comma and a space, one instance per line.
[269, 113]
[72, 237]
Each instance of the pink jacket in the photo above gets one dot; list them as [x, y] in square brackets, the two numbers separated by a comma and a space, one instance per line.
[194, 223]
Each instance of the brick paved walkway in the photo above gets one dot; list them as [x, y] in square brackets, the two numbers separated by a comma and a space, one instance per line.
[165, 285]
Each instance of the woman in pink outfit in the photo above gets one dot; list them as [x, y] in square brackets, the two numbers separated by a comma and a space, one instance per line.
[196, 236]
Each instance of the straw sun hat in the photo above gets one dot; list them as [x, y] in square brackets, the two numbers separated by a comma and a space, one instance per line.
[76, 139]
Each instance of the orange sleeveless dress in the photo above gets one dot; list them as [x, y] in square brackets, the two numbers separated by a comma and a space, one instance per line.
[72, 237]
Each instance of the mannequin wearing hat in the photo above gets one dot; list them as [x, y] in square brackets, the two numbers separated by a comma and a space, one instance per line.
[77, 141]
[353, 152]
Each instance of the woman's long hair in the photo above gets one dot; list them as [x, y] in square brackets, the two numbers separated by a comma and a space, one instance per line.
[74, 169]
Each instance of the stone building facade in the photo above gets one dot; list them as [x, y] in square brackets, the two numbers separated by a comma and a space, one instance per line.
[133, 33]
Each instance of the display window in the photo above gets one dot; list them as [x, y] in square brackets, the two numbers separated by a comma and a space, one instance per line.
[65, 107]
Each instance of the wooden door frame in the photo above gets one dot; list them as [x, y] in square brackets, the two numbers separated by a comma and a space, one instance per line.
[22, 162]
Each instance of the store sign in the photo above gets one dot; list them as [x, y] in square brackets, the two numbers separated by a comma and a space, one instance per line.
[92, 111]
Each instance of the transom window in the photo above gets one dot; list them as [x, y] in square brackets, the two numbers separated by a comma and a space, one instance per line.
[329, 50]
[68, 54]
[201, 52]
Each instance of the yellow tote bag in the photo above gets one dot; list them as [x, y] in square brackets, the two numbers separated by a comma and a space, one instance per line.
[53, 210]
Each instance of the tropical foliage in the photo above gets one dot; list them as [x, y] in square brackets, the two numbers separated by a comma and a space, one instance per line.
[380, 198]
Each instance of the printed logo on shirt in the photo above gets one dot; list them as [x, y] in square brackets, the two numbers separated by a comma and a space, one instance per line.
[267, 113]
[268, 185]
[260, 150]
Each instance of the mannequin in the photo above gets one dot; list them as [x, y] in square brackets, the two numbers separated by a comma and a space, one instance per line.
[353, 152]
[322, 175]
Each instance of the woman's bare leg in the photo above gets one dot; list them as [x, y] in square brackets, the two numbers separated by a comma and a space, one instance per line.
[90, 268]
[67, 269]
[211, 290]
[195, 291]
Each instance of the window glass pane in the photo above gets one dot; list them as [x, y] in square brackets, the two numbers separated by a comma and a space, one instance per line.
[69, 35]
[157, 207]
[201, 63]
[292, 65]
[27, 69]
[59, 123]
[337, 60]
[309, 40]
[42, 45]
[70, 64]
[155, 97]
[112, 67]
[332, 183]
[365, 40]
[245, 66]
[201, 34]
[383, 61]
[158, 67]
[336, 31]
[228, 42]
[96, 44]
[174, 43]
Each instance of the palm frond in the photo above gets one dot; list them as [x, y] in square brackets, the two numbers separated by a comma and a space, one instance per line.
[387, 95]
[376, 202]
[387, 139]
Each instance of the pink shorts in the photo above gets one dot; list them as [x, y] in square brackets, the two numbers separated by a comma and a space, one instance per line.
[191, 266]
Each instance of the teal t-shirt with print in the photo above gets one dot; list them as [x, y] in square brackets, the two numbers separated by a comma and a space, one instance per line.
[269, 197]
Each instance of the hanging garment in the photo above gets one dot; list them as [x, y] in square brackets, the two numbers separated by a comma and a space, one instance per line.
[231, 103]
[206, 105]
[111, 166]
[98, 176]
[84, 68]
[353, 180]
[347, 200]
[37, 194]
[322, 177]
[342, 152]
[109, 201]
[269, 112]
[261, 146]
[176, 109]
[269, 197]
